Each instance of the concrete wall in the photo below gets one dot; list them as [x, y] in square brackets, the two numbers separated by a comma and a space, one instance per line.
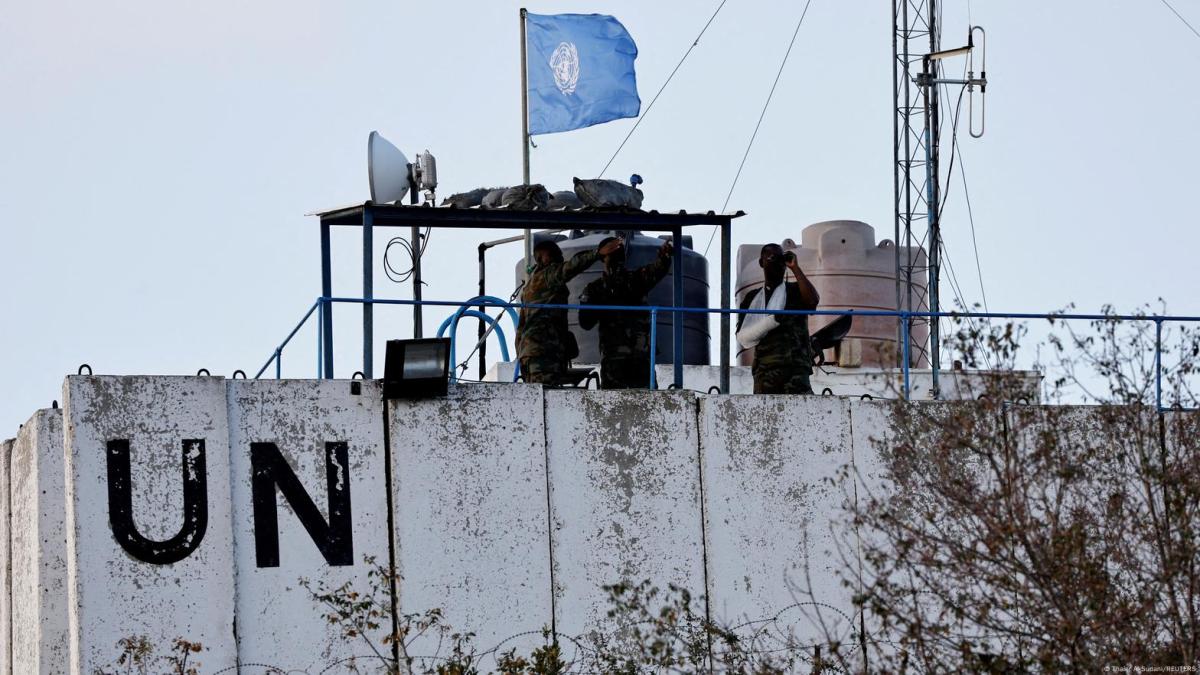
[5, 562]
[39, 555]
[767, 462]
[510, 508]
[624, 497]
[471, 528]
[278, 622]
[113, 593]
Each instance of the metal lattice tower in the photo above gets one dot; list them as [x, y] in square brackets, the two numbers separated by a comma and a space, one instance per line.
[915, 133]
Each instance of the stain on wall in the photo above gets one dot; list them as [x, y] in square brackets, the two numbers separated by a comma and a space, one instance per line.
[470, 498]
[624, 497]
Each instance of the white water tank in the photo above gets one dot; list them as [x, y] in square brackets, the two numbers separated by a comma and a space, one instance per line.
[850, 271]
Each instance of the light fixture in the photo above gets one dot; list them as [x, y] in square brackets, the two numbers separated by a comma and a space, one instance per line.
[416, 368]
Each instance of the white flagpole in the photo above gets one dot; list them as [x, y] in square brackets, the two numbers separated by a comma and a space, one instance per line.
[525, 132]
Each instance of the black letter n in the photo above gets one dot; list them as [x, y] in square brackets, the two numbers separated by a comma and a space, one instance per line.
[270, 470]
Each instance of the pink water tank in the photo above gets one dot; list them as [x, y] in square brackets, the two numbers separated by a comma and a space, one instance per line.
[850, 271]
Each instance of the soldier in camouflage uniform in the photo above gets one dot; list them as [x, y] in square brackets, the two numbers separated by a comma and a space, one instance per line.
[783, 358]
[543, 339]
[624, 336]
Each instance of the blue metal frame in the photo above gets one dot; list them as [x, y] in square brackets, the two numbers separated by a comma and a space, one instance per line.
[323, 307]
[369, 215]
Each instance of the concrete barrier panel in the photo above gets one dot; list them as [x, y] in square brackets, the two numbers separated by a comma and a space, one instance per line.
[5, 563]
[470, 512]
[624, 497]
[770, 512]
[149, 537]
[291, 440]
[39, 547]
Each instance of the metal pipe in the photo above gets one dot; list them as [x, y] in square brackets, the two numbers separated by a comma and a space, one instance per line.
[726, 299]
[481, 344]
[905, 317]
[514, 238]
[312, 308]
[368, 308]
[982, 81]
[278, 364]
[525, 130]
[653, 343]
[791, 312]
[326, 329]
[677, 302]
[1158, 364]
[929, 96]
[896, 149]
[418, 249]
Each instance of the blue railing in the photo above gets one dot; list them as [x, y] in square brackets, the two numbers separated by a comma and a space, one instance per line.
[905, 317]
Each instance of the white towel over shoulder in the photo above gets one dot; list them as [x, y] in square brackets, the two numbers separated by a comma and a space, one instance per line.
[756, 326]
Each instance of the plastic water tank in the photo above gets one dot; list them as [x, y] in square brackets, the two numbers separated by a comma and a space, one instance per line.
[850, 271]
[641, 250]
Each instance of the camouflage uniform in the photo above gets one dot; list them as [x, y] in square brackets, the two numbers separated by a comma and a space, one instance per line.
[543, 335]
[624, 336]
[783, 358]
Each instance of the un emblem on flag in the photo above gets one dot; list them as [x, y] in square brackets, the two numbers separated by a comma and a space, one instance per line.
[565, 65]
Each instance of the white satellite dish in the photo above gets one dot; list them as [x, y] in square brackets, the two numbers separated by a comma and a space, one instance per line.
[387, 169]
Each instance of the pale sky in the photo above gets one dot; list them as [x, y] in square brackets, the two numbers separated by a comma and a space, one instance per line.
[158, 158]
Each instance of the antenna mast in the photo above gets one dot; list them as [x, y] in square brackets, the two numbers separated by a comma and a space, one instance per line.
[916, 128]
[915, 33]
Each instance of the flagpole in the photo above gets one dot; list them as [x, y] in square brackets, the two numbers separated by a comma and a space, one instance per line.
[525, 132]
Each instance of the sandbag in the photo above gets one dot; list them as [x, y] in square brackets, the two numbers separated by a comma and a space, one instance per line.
[565, 199]
[526, 198]
[604, 193]
[466, 200]
[492, 199]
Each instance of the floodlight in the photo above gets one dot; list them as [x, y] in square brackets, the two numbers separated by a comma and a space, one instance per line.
[416, 368]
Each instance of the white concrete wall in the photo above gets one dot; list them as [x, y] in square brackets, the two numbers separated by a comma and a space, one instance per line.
[624, 497]
[112, 594]
[512, 507]
[768, 461]
[5, 562]
[279, 623]
[469, 476]
[39, 555]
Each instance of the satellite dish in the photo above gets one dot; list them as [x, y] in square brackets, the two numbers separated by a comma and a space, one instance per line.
[387, 169]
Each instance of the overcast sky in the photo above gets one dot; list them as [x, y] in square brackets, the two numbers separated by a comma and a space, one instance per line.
[157, 159]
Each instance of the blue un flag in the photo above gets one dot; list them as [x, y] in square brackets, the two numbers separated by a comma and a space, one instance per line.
[580, 69]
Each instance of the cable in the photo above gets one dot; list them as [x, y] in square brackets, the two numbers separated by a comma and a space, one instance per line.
[971, 217]
[413, 256]
[956, 152]
[1185, 21]
[761, 115]
[660, 89]
[955, 286]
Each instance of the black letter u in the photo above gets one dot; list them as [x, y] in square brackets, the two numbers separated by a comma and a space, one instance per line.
[195, 506]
